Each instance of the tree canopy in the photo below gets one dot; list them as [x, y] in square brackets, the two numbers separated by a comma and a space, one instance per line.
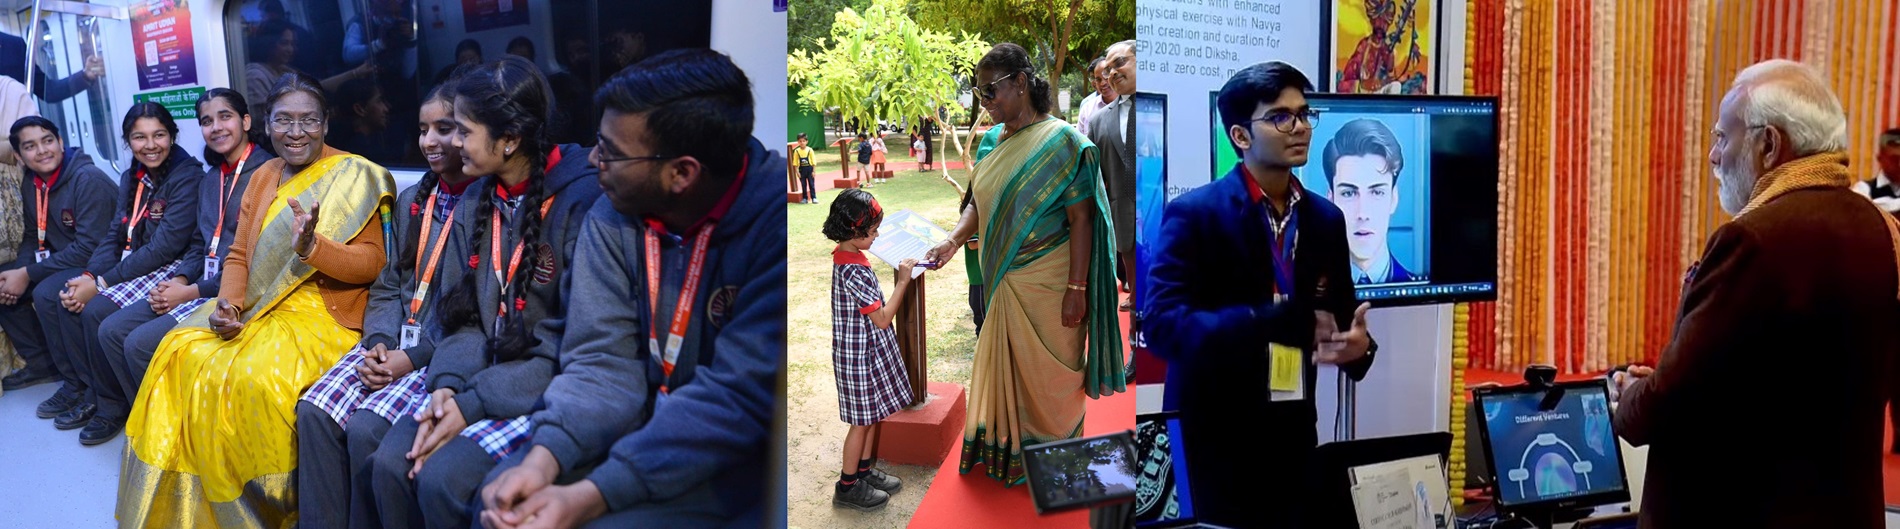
[1063, 34]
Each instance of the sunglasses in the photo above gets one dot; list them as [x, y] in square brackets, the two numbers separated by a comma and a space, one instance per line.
[988, 90]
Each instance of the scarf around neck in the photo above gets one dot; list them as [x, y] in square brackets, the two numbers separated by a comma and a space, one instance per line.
[1827, 169]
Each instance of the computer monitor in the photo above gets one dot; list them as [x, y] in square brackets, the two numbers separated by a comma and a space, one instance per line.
[1151, 184]
[1079, 473]
[1552, 449]
[1161, 498]
[1417, 180]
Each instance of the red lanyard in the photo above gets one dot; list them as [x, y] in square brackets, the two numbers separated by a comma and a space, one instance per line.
[138, 211]
[683, 311]
[428, 217]
[41, 188]
[224, 195]
[514, 262]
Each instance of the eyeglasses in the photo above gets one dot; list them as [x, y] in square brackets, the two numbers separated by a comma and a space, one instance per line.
[1283, 120]
[283, 126]
[988, 90]
[605, 160]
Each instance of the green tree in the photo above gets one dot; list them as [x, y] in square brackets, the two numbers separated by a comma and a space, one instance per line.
[881, 65]
[1055, 31]
[807, 21]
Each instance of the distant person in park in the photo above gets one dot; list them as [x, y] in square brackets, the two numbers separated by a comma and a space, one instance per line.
[1362, 164]
[807, 161]
[872, 382]
[878, 152]
[1804, 265]
[864, 159]
[1228, 310]
[1038, 199]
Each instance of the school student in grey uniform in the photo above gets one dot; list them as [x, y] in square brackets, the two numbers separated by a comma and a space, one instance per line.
[517, 229]
[234, 149]
[344, 416]
[157, 221]
[69, 204]
[638, 432]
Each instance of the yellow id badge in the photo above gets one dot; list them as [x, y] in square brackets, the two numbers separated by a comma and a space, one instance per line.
[1286, 368]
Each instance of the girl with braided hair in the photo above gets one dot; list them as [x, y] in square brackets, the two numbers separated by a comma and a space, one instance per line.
[515, 235]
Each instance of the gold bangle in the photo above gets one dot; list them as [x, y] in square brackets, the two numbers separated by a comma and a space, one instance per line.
[1073, 286]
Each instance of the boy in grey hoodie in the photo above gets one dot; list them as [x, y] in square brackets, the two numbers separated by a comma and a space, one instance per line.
[73, 199]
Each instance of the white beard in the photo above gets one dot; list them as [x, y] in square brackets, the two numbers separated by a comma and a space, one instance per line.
[1734, 189]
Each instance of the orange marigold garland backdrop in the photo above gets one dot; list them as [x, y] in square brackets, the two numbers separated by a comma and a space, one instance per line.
[1604, 189]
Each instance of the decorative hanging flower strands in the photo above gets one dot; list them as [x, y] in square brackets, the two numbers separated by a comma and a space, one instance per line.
[1460, 359]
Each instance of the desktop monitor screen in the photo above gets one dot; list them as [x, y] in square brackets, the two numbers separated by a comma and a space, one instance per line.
[1416, 178]
[1151, 183]
[1552, 453]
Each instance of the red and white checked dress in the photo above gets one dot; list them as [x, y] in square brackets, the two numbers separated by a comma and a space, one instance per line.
[872, 383]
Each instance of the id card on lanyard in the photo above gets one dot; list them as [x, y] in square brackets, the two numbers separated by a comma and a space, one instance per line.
[42, 190]
[411, 330]
[683, 309]
[1287, 364]
[217, 232]
[138, 212]
[514, 264]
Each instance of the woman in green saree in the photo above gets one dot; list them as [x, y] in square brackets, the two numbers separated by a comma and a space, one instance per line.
[1050, 338]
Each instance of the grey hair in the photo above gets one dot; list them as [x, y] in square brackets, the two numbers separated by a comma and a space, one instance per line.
[1795, 99]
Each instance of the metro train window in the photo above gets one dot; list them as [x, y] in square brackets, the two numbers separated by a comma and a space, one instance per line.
[378, 59]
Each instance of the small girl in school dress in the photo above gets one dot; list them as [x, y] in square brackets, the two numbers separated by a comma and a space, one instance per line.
[871, 379]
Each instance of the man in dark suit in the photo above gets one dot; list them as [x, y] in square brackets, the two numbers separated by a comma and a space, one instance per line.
[1113, 129]
[1881, 187]
[1806, 270]
[13, 64]
[1252, 287]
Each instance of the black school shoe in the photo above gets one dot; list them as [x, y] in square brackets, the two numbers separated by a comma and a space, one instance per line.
[26, 378]
[61, 402]
[860, 496]
[100, 429]
[76, 417]
[881, 481]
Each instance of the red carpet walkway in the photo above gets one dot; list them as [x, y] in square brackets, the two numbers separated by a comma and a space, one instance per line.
[976, 500]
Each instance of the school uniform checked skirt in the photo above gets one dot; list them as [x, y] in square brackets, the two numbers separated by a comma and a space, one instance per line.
[340, 393]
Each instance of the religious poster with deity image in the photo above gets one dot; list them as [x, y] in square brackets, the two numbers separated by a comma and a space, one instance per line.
[1382, 47]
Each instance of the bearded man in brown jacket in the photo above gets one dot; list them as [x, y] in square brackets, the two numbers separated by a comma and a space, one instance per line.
[1807, 273]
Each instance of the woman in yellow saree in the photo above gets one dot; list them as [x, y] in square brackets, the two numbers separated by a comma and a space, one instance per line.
[211, 439]
[1050, 338]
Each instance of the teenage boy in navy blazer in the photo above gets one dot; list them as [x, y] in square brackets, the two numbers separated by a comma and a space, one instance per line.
[1253, 287]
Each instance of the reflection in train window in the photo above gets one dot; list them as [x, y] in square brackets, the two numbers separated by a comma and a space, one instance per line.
[379, 58]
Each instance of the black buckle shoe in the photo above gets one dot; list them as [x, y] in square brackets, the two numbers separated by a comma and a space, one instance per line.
[100, 429]
[61, 402]
[881, 481]
[76, 417]
[861, 496]
[26, 378]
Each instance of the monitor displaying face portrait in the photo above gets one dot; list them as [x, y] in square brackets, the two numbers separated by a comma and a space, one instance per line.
[1552, 449]
[1415, 178]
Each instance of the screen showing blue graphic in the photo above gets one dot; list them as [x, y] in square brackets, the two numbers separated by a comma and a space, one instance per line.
[1151, 183]
[1568, 451]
